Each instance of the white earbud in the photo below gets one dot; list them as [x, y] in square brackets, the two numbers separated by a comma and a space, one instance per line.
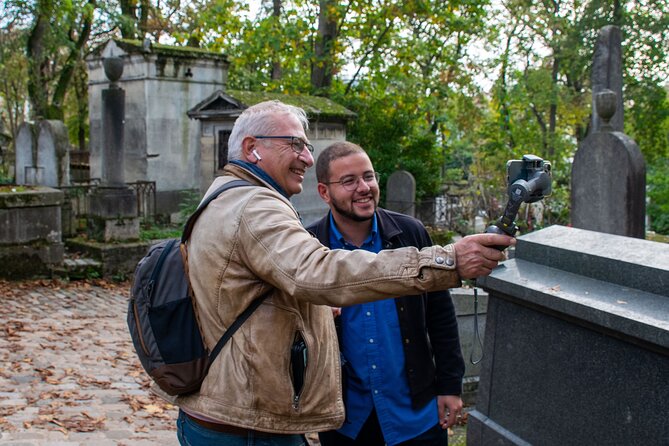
[256, 154]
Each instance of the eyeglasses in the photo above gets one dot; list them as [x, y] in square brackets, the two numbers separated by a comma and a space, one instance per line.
[350, 182]
[296, 143]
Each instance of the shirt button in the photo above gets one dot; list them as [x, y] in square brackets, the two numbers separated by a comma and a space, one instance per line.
[373, 366]
[369, 313]
[376, 392]
[439, 260]
[371, 340]
[406, 341]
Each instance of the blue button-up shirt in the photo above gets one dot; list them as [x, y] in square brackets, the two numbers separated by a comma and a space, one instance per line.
[372, 344]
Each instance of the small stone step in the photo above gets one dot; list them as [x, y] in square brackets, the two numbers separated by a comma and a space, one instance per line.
[81, 263]
[81, 268]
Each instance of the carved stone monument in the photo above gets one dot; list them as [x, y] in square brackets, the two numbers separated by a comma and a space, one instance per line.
[113, 205]
[401, 193]
[608, 182]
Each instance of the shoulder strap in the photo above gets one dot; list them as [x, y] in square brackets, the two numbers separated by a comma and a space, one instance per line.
[188, 228]
[235, 325]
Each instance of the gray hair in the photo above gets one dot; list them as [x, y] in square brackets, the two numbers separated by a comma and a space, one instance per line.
[260, 119]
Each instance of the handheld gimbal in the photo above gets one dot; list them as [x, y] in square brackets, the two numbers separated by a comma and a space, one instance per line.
[529, 180]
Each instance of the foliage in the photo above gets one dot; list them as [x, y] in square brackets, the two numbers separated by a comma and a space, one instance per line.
[150, 232]
[658, 194]
[440, 236]
[446, 90]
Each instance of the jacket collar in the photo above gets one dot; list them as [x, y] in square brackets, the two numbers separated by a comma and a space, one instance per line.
[257, 171]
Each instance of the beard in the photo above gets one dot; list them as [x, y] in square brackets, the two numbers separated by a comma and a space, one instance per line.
[350, 214]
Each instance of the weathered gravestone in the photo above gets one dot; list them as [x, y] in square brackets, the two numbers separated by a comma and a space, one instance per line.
[53, 154]
[401, 193]
[25, 148]
[608, 183]
[43, 154]
[577, 343]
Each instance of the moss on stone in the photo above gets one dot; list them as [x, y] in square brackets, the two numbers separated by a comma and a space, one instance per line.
[136, 46]
[315, 106]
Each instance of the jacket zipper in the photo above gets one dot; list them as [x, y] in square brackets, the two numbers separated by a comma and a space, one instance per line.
[303, 356]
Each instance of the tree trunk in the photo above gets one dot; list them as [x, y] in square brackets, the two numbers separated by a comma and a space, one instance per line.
[37, 79]
[55, 111]
[323, 62]
[128, 24]
[276, 60]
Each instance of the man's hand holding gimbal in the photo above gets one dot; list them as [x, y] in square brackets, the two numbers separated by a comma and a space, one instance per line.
[476, 256]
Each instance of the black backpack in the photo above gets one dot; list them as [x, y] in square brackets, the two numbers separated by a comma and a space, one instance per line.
[161, 317]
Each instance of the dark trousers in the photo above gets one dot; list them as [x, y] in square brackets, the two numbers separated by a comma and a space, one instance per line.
[371, 435]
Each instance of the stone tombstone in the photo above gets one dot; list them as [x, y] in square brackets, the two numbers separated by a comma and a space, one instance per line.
[401, 193]
[608, 183]
[25, 148]
[607, 74]
[53, 154]
[577, 343]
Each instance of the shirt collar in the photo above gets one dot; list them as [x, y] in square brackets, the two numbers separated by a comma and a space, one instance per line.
[340, 238]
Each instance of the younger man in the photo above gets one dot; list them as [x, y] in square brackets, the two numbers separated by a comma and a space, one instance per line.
[404, 387]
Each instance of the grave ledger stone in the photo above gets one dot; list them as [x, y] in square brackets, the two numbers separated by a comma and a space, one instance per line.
[577, 343]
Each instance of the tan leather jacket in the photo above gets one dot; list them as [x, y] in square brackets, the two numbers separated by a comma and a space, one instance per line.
[250, 240]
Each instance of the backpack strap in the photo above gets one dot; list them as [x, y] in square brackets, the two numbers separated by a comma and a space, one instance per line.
[188, 228]
[235, 325]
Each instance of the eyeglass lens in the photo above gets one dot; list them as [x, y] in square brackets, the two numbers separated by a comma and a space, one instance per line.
[350, 183]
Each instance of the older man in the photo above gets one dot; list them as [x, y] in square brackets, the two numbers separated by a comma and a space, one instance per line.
[279, 375]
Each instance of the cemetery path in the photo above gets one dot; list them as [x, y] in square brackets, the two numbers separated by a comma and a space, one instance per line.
[68, 371]
[69, 375]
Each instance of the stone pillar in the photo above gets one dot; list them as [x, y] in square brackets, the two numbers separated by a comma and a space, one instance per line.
[576, 344]
[401, 193]
[113, 205]
[607, 74]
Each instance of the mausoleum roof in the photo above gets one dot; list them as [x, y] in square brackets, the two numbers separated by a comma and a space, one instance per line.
[148, 47]
[231, 103]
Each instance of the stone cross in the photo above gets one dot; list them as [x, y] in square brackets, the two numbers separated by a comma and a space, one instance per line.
[401, 193]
